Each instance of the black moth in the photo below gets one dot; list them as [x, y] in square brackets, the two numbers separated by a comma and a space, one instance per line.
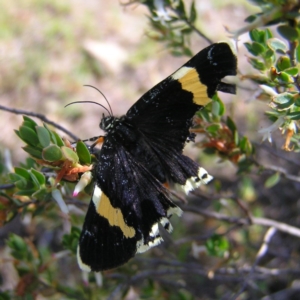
[142, 151]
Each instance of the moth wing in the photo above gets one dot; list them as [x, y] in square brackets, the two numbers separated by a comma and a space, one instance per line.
[164, 114]
[127, 205]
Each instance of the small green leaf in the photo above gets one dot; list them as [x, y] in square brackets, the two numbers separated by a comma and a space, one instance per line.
[288, 32]
[270, 54]
[297, 52]
[36, 153]
[39, 176]
[40, 194]
[258, 48]
[245, 145]
[217, 245]
[250, 19]
[213, 128]
[257, 35]
[292, 71]
[29, 136]
[250, 49]
[29, 120]
[231, 124]
[272, 180]
[277, 45]
[56, 139]
[297, 100]
[283, 63]
[70, 155]
[257, 64]
[268, 34]
[70, 241]
[204, 114]
[285, 78]
[193, 13]
[22, 172]
[18, 180]
[43, 136]
[83, 153]
[35, 181]
[52, 153]
[294, 115]
[19, 249]
[284, 100]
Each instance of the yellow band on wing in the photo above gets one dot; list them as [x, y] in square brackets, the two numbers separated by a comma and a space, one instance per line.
[189, 79]
[113, 215]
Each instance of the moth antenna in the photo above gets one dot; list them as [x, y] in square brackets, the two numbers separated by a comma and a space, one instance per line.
[89, 102]
[111, 112]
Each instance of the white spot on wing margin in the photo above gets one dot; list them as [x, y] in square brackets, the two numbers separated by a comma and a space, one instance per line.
[181, 73]
[194, 182]
[82, 265]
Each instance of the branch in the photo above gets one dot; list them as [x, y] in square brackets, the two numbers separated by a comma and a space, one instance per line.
[283, 172]
[41, 117]
[245, 221]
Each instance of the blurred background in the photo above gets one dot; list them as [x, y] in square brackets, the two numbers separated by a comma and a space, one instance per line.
[49, 49]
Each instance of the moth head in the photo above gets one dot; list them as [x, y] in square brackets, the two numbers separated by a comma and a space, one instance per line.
[106, 122]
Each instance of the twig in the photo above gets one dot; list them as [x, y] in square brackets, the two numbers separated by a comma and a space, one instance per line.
[283, 172]
[275, 153]
[41, 117]
[261, 252]
[244, 221]
[209, 41]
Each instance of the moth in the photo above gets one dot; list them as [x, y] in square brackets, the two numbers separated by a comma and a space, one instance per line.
[141, 154]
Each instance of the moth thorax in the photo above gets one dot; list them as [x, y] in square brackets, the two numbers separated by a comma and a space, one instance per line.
[107, 123]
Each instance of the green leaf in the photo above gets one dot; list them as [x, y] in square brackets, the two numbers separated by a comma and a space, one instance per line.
[268, 34]
[56, 139]
[52, 153]
[28, 121]
[213, 128]
[217, 245]
[288, 32]
[29, 136]
[40, 194]
[285, 78]
[22, 172]
[39, 176]
[257, 64]
[258, 48]
[292, 71]
[43, 136]
[18, 180]
[272, 180]
[277, 45]
[83, 153]
[70, 241]
[297, 100]
[257, 35]
[231, 124]
[284, 100]
[245, 146]
[33, 151]
[193, 13]
[283, 63]
[297, 52]
[250, 19]
[294, 115]
[70, 155]
[19, 248]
